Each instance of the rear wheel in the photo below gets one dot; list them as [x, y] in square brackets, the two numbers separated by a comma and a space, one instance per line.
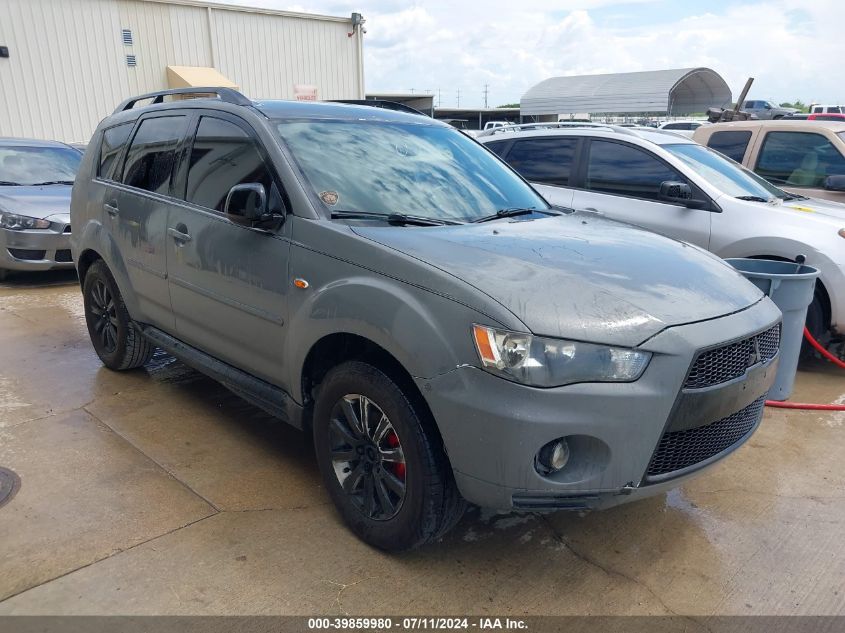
[816, 325]
[382, 463]
[118, 344]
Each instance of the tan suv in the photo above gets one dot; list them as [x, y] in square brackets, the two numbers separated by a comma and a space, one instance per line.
[803, 157]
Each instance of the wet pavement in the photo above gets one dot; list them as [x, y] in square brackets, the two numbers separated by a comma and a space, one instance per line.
[158, 491]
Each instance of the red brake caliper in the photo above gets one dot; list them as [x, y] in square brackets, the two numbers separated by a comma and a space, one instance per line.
[398, 468]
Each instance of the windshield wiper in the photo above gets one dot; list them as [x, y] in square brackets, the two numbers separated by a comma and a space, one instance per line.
[508, 212]
[793, 196]
[396, 219]
[752, 198]
[53, 182]
[9, 183]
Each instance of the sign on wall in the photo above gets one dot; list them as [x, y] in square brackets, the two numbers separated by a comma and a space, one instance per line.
[304, 92]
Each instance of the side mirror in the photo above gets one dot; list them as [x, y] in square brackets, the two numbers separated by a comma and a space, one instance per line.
[246, 204]
[835, 183]
[677, 192]
[768, 106]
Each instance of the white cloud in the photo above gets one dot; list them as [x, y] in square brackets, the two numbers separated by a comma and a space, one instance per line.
[791, 47]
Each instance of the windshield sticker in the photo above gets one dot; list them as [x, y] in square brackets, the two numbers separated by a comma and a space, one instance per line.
[329, 197]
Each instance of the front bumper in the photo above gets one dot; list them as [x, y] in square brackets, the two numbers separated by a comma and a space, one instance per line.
[493, 428]
[36, 249]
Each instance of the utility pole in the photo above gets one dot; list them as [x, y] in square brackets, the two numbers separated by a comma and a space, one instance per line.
[439, 102]
[459, 97]
[486, 90]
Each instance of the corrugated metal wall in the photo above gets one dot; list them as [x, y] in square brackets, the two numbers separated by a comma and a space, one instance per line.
[67, 61]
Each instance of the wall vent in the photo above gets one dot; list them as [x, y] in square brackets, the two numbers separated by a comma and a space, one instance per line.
[127, 37]
[131, 61]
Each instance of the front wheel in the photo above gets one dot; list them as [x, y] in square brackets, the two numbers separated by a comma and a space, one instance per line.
[116, 341]
[381, 461]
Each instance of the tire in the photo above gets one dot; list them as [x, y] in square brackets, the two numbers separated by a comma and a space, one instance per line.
[816, 324]
[118, 344]
[398, 491]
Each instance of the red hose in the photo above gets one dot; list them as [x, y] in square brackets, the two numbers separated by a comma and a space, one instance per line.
[805, 405]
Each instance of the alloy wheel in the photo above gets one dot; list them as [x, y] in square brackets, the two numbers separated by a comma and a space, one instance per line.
[367, 457]
[104, 315]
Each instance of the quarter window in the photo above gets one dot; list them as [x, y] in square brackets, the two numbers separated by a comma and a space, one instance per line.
[627, 171]
[732, 144]
[152, 153]
[224, 155]
[544, 160]
[114, 139]
[801, 159]
[498, 147]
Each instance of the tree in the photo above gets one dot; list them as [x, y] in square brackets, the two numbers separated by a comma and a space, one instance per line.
[509, 105]
[798, 105]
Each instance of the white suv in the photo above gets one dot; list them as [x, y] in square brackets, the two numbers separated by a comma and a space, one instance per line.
[665, 182]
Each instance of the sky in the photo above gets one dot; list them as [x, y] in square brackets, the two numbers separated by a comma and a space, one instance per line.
[793, 48]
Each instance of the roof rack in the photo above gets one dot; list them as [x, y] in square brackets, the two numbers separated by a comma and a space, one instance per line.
[228, 95]
[551, 125]
[384, 104]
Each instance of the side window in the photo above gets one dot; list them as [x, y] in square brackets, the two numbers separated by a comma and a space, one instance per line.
[224, 155]
[732, 144]
[627, 171]
[544, 160]
[111, 146]
[152, 153]
[802, 159]
[498, 147]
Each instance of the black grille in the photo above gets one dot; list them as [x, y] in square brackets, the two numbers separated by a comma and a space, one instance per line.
[25, 253]
[730, 361]
[679, 449]
[64, 255]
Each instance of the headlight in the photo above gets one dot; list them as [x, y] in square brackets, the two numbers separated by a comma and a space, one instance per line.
[21, 222]
[548, 362]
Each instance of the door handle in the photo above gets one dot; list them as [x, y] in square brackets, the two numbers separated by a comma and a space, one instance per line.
[111, 208]
[179, 236]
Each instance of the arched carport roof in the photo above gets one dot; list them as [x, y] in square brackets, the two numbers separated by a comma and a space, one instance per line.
[675, 92]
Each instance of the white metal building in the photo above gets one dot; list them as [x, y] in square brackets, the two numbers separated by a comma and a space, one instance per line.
[669, 92]
[66, 64]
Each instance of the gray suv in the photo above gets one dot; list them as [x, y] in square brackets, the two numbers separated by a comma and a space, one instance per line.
[386, 283]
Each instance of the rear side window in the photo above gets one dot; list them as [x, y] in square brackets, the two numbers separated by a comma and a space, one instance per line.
[114, 139]
[802, 159]
[623, 170]
[152, 153]
[498, 147]
[224, 155]
[732, 144]
[544, 160]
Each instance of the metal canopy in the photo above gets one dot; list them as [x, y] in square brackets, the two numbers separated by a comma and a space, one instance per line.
[674, 92]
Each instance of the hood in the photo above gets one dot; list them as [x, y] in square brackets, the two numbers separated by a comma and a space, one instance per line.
[815, 205]
[580, 276]
[36, 202]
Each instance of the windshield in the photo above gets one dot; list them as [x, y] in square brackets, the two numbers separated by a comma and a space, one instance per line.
[35, 165]
[723, 173]
[423, 170]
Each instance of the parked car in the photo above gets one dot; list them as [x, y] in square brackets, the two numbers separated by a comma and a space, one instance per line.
[767, 110]
[816, 108]
[491, 125]
[686, 128]
[679, 188]
[35, 182]
[407, 298]
[826, 117]
[804, 157]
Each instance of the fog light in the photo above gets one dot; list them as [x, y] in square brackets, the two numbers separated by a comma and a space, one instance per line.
[553, 456]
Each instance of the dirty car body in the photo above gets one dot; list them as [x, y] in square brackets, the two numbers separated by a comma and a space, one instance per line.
[35, 184]
[404, 284]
